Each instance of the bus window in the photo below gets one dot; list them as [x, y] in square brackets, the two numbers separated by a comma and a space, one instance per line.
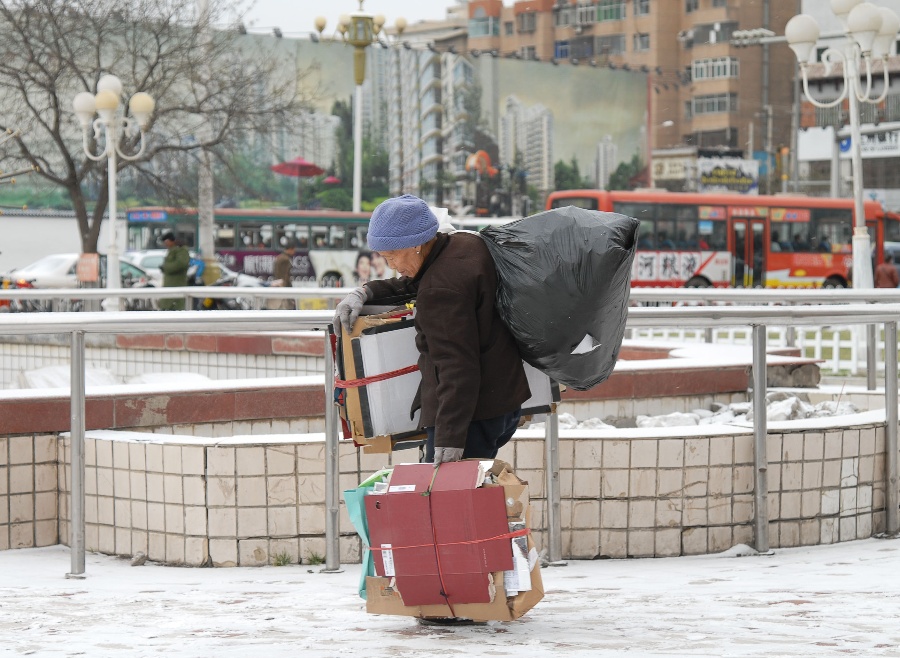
[712, 234]
[646, 236]
[223, 235]
[288, 234]
[794, 234]
[301, 237]
[358, 237]
[589, 203]
[336, 237]
[185, 235]
[319, 237]
[642, 211]
[255, 236]
[832, 230]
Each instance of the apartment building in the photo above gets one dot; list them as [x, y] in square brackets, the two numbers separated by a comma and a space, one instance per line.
[705, 95]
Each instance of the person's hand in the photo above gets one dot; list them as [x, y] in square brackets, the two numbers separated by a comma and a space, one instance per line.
[444, 455]
[348, 310]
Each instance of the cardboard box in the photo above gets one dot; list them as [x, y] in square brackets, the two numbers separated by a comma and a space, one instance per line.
[377, 413]
[443, 547]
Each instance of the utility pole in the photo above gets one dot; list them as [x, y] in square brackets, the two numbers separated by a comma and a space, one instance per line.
[769, 162]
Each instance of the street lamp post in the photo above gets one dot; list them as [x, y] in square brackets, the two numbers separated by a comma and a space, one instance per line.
[360, 30]
[106, 104]
[869, 32]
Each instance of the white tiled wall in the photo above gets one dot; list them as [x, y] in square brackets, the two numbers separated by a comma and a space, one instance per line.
[187, 499]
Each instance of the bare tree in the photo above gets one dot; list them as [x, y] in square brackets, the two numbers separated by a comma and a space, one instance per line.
[212, 87]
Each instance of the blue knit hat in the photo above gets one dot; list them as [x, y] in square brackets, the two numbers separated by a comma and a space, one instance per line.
[401, 222]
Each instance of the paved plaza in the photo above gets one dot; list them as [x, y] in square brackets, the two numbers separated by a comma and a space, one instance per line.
[835, 600]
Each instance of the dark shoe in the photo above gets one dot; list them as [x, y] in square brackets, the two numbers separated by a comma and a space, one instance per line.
[448, 621]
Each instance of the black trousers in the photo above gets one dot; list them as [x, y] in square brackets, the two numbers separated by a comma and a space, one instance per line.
[484, 438]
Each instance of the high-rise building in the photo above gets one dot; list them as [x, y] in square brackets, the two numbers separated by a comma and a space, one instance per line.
[527, 131]
[606, 162]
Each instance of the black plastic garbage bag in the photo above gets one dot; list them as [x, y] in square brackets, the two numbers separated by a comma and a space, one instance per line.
[565, 279]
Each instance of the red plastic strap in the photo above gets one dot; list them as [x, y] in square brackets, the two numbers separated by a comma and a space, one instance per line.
[365, 381]
[437, 553]
[508, 535]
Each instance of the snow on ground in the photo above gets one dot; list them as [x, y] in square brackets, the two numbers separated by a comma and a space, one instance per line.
[779, 406]
[836, 600]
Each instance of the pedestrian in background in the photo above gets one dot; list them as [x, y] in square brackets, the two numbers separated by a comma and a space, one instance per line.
[886, 275]
[174, 268]
[281, 277]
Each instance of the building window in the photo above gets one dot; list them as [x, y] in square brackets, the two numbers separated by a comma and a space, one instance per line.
[715, 68]
[641, 7]
[529, 52]
[614, 44]
[610, 10]
[527, 21]
[720, 3]
[585, 13]
[714, 33]
[714, 104]
[482, 25]
[688, 109]
[641, 42]
[561, 50]
[508, 28]
[564, 16]
[691, 5]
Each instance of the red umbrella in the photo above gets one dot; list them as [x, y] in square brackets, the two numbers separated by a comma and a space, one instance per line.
[300, 168]
[332, 180]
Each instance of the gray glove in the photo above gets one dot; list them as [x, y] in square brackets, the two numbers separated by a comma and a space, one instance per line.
[348, 310]
[444, 455]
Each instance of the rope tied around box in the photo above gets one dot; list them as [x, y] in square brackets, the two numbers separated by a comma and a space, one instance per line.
[372, 379]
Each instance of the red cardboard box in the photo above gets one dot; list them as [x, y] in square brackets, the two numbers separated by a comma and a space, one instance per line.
[442, 543]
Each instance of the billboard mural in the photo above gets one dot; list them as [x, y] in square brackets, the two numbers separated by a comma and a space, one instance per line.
[474, 132]
[728, 175]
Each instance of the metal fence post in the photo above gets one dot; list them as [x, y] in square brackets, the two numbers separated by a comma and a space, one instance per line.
[892, 523]
[554, 525]
[332, 469]
[871, 353]
[761, 462]
[76, 462]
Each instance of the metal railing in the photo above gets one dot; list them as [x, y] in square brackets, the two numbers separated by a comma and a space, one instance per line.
[756, 317]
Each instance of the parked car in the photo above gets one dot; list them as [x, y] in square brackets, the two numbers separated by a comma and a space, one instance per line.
[58, 271]
[149, 260]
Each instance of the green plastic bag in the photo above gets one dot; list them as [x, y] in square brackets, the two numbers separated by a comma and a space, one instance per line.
[356, 508]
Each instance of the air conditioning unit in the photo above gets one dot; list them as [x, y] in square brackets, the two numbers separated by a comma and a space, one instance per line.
[579, 29]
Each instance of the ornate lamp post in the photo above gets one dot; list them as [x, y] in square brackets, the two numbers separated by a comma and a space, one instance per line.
[360, 30]
[106, 104]
[869, 32]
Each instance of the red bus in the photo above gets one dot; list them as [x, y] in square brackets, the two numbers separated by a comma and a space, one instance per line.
[725, 240]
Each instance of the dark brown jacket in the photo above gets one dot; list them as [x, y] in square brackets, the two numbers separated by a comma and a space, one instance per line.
[281, 269]
[471, 368]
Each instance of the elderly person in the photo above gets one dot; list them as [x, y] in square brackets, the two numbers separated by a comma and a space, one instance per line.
[473, 383]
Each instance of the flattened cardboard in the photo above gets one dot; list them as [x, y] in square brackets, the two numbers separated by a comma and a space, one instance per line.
[436, 564]
[509, 499]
